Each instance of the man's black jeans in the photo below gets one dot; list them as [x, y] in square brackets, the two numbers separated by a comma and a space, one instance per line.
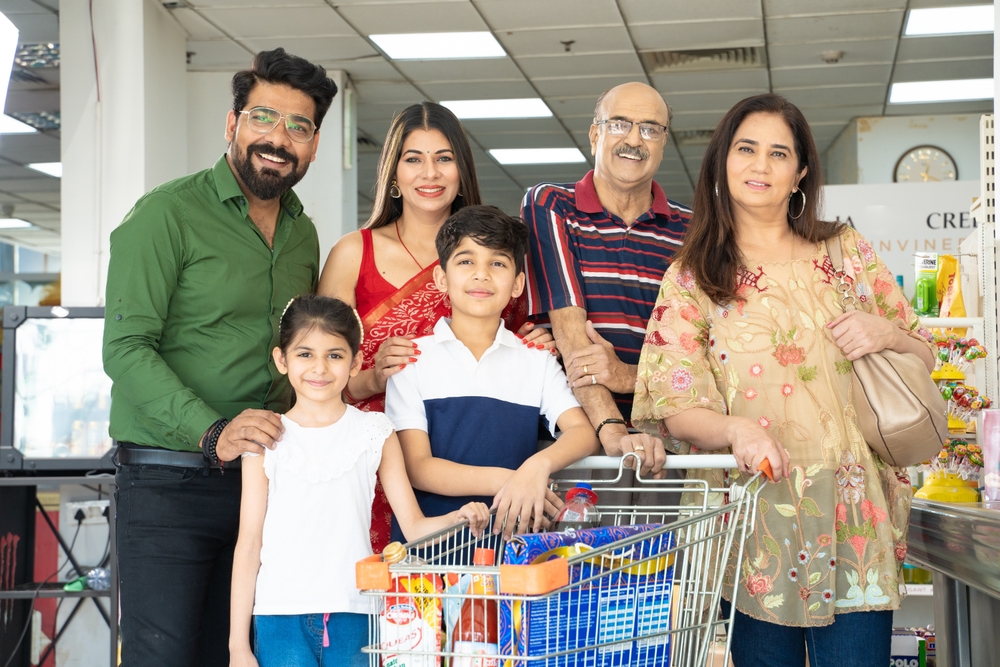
[176, 531]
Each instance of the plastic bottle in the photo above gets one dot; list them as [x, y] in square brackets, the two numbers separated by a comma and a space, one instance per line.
[925, 301]
[477, 632]
[580, 510]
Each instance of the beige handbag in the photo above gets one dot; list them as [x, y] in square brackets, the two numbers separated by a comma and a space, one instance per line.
[900, 410]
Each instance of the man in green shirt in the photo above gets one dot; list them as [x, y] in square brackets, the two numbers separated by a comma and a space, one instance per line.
[200, 272]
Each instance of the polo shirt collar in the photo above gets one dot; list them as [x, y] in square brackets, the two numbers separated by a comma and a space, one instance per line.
[443, 332]
[229, 188]
[588, 201]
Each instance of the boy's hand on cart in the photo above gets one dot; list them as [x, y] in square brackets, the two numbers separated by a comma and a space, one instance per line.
[752, 443]
[242, 658]
[648, 448]
[250, 431]
[478, 516]
[525, 501]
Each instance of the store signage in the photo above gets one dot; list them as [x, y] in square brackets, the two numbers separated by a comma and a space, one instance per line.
[900, 219]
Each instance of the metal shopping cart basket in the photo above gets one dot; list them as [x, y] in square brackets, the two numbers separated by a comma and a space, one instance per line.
[644, 589]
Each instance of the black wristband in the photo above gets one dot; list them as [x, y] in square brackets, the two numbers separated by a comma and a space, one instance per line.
[211, 441]
[610, 420]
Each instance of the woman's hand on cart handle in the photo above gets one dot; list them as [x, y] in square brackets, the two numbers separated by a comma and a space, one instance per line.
[752, 444]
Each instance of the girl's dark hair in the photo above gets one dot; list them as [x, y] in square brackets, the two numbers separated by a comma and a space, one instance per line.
[422, 116]
[710, 249]
[332, 316]
[278, 67]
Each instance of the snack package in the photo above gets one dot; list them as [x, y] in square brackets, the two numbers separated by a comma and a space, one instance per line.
[950, 290]
[632, 602]
[409, 623]
[908, 649]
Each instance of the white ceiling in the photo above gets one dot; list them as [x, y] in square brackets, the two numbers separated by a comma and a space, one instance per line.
[608, 39]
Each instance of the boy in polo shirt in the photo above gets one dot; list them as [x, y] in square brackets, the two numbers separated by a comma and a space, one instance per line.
[467, 412]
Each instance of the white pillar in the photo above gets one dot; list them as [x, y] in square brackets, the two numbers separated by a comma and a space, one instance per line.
[123, 126]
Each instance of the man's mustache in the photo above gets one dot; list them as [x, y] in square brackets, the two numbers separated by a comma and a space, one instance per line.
[634, 151]
[271, 149]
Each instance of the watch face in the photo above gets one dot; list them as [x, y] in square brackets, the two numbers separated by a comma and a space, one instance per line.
[925, 164]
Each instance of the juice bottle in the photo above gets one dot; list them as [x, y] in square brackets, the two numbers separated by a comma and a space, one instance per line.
[580, 510]
[925, 301]
[477, 632]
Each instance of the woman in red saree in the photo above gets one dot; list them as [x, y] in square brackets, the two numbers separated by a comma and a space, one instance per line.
[426, 172]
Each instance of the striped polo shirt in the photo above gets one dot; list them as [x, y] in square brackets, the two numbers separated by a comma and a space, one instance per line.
[581, 255]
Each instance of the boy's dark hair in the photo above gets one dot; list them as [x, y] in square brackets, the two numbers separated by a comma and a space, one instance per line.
[489, 227]
[278, 67]
[332, 316]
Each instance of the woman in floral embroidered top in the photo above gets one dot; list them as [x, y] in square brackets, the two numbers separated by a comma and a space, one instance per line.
[748, 325]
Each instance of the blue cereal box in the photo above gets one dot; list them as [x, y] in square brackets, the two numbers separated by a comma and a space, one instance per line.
[620, 610]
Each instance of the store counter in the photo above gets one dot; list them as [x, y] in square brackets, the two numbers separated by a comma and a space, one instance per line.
[960, 544]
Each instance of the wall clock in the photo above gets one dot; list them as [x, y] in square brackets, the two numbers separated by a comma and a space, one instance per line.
[925, 164]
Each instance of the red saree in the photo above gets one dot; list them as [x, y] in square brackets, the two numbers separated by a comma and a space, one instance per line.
[410, 311]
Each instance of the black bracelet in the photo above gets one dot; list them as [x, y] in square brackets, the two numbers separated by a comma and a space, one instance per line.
[211, 441]
[610, 420]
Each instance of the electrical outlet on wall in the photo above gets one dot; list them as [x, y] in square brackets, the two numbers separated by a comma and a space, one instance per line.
[93, 511]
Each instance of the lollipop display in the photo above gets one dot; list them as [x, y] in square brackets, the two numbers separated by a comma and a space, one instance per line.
[955, 356]
[953, 474]
[957, 353]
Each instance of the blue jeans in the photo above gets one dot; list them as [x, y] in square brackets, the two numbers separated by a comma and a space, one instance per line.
[297, 641]
[858, 639]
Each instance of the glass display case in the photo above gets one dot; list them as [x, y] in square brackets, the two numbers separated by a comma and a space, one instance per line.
[56, 398]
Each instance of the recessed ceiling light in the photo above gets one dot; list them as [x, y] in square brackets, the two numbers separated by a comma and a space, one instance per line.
[10, 125]
[439, 45]
[949, 20]
[8, 47]
[14, 223]
[527, 107]
[50, 168]
[537, 155]
[955, 90]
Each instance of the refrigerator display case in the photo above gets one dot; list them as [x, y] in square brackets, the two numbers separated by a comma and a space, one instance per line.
[56, 398]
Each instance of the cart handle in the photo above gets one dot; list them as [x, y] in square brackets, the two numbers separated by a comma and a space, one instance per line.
[674, 462]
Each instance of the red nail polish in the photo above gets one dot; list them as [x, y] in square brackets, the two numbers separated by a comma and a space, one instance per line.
[402, 365]
[412, 359]
[416, 351]
[531, 345]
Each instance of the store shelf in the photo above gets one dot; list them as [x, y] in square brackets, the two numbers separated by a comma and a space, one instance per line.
[920, 589]
[951, 322]
[53, 590]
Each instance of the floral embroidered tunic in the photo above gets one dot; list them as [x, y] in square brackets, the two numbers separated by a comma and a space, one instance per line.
[832, 537]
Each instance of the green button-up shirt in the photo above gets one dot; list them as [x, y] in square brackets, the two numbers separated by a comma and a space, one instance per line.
[193, 302]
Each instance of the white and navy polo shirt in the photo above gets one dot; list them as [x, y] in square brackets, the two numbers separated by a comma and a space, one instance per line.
[479, 413]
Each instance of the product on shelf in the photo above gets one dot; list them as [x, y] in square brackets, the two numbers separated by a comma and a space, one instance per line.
[925, 301]
[953, 475]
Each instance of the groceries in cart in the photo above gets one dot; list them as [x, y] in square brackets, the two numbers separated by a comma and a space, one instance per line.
[580, 510]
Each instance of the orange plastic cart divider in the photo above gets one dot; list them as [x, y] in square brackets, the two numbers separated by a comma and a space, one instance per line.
[372, 574]
[535, 579]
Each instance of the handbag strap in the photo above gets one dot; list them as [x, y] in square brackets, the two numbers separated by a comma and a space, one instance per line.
[835, 252]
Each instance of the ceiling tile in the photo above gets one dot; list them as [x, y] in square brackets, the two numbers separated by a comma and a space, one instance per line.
[549, 41]
[520, 14]
[316, 49]
[701, 35]
[373, 68]
[638, 12]
[526, 140]
[375, 19]
[478, 90]
[841, 113]
[922, 4]
[583, 86]
[570, 64]
[717, 101]
[952, 46]
[401, 94]
[830, 74]
[248, 4]
[32, 28]
[568, 107]
[481, 69]
[696, 120]
[293, 22]
[223, 54]
[194, 25]
[370, 112]
[773, 8]
[678, 82]
[512, 125]
[831, 28]
[856, 51]
[12, 7]
[942, 70]
[808, 98]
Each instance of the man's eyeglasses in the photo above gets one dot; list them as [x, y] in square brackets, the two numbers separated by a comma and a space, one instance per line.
[620, 128]
[262, 120]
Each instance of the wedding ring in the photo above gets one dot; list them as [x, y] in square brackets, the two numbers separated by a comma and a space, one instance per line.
[585, 371]
[638, 448]
[593, 379]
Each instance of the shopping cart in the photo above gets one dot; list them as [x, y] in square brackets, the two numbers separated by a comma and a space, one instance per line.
[644, 590]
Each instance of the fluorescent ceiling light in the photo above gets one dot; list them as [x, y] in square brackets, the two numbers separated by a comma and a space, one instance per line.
[941, 91]
[537, 155]
[439, 45]
[14, 223]
[527, 107]
[949, 20]
[8, 47]
[9, 125]
[50, 168]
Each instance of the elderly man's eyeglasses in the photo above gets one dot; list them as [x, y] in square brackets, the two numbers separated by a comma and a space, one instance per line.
[621, 128]
[262, 120]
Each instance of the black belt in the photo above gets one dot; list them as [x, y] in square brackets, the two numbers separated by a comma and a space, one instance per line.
[132, 454]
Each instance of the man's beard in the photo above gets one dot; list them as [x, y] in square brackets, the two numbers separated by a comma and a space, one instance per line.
[267, 183]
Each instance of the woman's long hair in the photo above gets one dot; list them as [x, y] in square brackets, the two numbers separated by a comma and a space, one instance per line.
[710, 248]
[422, 116]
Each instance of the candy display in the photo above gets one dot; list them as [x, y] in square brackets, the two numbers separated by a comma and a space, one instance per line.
[953, 475]
[964, 402]
[961, 353]
[955, 356]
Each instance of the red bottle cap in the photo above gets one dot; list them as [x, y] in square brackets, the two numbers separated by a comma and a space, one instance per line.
[483, 556]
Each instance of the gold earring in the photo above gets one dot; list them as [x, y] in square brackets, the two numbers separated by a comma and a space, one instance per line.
[801, 210]
[394, 191]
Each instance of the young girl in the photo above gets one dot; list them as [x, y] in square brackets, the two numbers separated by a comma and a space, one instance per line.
[306, 505]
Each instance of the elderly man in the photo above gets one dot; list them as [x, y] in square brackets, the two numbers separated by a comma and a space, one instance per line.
[200, 271]
[598, 251]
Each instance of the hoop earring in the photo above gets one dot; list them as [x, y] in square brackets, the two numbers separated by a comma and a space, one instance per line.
[394, 190]
[801, 210]
[716, 189]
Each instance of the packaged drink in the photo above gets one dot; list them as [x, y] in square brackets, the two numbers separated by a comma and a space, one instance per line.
[409, 623]
[925, 301]
[477, 631]
[580, 510]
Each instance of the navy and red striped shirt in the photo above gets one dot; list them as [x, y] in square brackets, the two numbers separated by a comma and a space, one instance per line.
[581, 255]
